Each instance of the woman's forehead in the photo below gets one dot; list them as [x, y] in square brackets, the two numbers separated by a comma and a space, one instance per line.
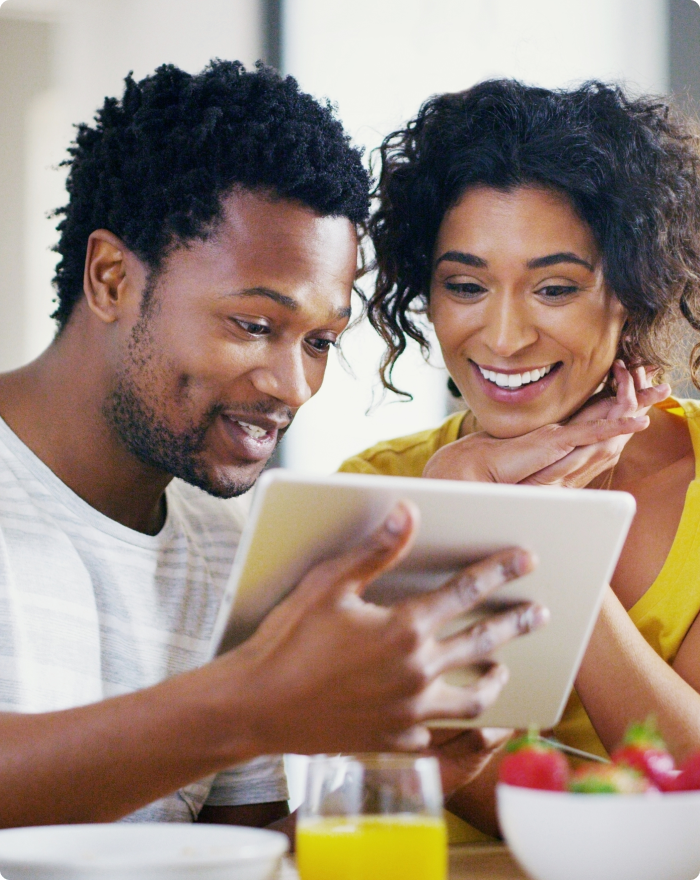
[526, 221]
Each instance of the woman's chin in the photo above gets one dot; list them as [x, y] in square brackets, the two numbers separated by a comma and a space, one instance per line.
[504, 423]
[514, 424]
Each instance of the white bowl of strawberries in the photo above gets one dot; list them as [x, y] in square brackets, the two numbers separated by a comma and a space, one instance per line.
[637, 818]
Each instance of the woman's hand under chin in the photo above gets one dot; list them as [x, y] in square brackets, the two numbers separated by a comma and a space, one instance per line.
[570, 454]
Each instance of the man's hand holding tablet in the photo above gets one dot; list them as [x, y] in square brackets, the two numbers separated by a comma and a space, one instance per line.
[327, 671]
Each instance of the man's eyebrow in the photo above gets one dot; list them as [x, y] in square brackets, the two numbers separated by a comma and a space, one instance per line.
[285, 301]
[281, 299]
[553, 259]
[461, 257]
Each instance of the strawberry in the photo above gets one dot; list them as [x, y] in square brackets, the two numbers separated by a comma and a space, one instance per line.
[644, 750]
[530, 763]
[609, 779]
[689, 776]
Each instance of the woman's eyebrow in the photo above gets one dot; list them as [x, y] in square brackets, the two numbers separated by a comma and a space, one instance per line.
[553, 259]
[537, 263]
[461, 257]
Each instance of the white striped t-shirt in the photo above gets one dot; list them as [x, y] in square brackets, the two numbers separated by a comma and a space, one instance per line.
[91, 609]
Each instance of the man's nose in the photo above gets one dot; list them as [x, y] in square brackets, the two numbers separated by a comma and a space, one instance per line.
[508, 325]
[283, 376]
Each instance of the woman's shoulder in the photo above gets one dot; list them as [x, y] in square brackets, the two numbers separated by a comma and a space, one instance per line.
[685, 407]
[405, 456]
[688, 409]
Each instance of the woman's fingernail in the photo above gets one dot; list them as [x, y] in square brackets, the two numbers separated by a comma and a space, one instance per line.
[397, 520]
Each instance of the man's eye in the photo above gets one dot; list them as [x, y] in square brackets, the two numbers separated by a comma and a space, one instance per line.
[465, 289]
[321, 345]
[252, 327]
[555, 291]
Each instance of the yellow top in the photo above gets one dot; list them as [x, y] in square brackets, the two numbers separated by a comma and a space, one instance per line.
[663, 615]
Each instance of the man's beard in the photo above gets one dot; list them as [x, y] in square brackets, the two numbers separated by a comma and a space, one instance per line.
[154, 442]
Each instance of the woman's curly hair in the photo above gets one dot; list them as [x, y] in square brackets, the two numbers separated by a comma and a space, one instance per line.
[629, 167]
[154, 167]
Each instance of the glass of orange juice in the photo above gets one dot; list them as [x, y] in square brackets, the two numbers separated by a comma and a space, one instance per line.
[372, 817]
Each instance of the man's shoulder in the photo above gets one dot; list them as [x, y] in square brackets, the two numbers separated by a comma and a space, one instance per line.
[405, 456]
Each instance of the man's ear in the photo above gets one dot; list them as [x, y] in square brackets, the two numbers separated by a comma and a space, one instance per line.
[112, 275]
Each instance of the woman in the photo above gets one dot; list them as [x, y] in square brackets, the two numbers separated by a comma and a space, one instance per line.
[553, 240]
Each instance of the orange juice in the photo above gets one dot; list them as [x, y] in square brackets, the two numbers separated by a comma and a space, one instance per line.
[391, 847]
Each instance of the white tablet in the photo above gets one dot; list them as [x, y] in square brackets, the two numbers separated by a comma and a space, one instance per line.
[297, 521]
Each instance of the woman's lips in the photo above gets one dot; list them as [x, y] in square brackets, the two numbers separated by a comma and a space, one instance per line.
[250, 441]
[523, 394]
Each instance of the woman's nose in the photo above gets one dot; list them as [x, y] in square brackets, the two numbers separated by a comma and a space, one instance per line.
[508, 327]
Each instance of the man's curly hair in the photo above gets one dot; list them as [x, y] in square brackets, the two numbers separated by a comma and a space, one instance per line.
[629, 168]
[154, 167]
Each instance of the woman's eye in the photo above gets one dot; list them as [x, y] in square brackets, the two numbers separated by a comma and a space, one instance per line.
[465, 288]
[252, 327]
[555, 291]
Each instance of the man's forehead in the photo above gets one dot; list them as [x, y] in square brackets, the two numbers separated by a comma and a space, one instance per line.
[268, 237]
[261, 217]
[274, 249]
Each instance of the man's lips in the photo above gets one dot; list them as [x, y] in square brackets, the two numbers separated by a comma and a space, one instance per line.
[254, 437]
[259, 424]
[519, 385]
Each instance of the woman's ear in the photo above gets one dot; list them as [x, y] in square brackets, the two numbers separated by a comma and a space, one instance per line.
[109, 275]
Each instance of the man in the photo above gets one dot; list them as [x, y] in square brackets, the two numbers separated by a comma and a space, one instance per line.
[208, 252]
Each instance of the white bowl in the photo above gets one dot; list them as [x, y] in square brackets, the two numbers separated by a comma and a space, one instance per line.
[562, 836]
[148, 851]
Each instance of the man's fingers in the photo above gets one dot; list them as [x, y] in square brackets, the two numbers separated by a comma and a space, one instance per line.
[442, 701]
[415, 739]
[466, 590]
[475, 740]
[477, 644]
[352, 571]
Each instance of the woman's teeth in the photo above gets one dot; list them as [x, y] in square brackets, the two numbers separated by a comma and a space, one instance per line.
[254, 431]
[515, 380]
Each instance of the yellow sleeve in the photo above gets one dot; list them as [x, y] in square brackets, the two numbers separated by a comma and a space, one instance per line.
[404, 456]
[358, 465]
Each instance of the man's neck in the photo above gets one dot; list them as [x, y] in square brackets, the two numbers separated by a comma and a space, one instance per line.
[54, 405]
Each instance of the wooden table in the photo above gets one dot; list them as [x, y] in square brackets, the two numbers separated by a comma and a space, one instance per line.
[487, 862]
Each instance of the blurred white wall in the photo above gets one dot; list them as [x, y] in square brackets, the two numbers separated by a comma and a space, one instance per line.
[379, 60]
[93, 44]
[19, 39]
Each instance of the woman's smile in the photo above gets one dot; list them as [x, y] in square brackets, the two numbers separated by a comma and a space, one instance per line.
[527, 326]
[514, 386]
